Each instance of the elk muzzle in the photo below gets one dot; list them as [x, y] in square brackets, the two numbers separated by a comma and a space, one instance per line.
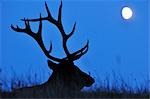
[89, 81]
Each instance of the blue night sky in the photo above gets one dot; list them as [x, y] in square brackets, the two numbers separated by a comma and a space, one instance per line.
[115, 44]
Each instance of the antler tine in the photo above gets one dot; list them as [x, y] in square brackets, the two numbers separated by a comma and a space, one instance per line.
[47, 9]
[49, 17]
[16, 28]
[60, 12]
[73, 30]
[76, 55]
[26, 30]
[40, 27]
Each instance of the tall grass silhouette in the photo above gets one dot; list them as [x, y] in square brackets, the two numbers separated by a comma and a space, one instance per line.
[106, 88]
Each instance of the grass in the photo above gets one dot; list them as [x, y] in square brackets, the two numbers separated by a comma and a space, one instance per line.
[117, 88]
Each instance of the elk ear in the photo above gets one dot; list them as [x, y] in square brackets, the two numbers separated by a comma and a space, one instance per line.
[52, 65]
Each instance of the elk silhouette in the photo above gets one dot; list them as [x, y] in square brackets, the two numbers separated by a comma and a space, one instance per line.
[66, 76]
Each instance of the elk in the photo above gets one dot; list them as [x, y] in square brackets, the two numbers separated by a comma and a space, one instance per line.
[66, 76]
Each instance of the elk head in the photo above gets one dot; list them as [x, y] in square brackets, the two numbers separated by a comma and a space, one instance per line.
[65, 72]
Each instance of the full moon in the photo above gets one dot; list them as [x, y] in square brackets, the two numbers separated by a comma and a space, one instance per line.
[126, 13]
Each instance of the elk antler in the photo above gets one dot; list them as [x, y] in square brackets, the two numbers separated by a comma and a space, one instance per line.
[37, 36]
[58, 23]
